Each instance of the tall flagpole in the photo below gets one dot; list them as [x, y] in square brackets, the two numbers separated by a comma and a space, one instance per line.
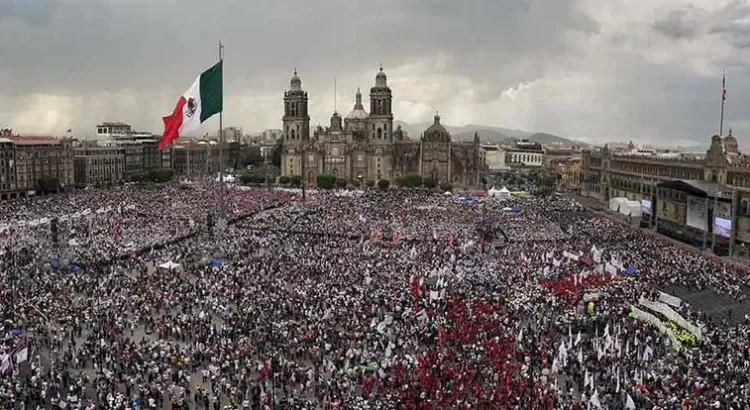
[222, 187]
[723, 99]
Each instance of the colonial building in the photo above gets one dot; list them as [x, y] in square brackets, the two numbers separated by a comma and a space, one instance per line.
[98, 165]
[525, 155]
[364, 146]
[25, 160]
[640, 174]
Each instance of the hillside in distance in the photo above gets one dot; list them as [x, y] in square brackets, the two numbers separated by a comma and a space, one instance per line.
[487, 133]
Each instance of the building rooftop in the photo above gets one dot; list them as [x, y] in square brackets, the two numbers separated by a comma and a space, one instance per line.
[35, 140]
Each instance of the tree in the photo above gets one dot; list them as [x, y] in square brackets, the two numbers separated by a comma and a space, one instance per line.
[356, 183]
[48, 185]
[276, 154]
[284, 180]
[446, 187]
[340, 183]
[252, 156]
[326, 181]
[384, 184]
[295, 181]
[370, 183]
[140, 177]
[400, 181]
[160, 174]
[429, 183]
[413, 180]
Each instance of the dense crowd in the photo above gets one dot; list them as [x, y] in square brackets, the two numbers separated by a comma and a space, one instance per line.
[353, 300]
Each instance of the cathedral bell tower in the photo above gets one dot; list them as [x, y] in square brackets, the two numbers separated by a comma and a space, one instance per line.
[381, 116]
[296, 127]
[380, 128]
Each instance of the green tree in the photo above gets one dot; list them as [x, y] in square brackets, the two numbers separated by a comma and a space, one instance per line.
[48, 185]
[284, 180]
[384, 184]
[160, 174]
[413, 180]
[340, 183]
[400, 181]
[276, 154]
[429, 183]
[252, 157]
[370, 183]
[444, 186]
[140, 177]
[326, 181]
[295, 181]
[356, 183]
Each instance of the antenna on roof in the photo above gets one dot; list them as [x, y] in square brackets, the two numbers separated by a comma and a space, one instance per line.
[335, 94]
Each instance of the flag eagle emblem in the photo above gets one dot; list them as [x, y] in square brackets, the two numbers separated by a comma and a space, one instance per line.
[190, 107]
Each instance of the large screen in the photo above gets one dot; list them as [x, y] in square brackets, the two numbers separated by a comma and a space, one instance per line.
[723, 227]
[645, 207]
[696, 213]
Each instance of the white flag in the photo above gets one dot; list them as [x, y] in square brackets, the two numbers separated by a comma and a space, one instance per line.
[578, 338]
[5, 364]
[595, 400]
[629, 404]
[22, 355]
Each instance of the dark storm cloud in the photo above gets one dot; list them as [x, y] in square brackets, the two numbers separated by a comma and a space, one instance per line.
[96, 45]
[677, 25]
[129, 59]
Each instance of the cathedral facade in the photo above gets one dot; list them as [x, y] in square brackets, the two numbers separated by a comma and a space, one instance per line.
[364, 146]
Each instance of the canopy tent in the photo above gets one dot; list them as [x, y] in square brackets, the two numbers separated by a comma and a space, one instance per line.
[215, 263]
[227, 178]
[170, 265]
[498, 193]
[447, 193]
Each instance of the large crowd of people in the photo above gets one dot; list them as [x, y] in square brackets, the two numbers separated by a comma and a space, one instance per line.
[396, 299]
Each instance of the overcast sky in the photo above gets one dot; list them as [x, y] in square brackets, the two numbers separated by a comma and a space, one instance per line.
[649, 70]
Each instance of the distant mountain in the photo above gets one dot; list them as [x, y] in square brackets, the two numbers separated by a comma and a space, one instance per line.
[544, 138]
[488, 133]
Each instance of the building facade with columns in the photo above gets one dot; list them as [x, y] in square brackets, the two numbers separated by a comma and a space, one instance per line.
[637, 174]
[364, 146]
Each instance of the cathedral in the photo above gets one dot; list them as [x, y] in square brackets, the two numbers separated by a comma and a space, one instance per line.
[364, 146]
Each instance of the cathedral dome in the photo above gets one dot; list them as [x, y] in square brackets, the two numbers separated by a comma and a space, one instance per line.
[295, 83]
[436, 132]
[730, 143]
[358, 112]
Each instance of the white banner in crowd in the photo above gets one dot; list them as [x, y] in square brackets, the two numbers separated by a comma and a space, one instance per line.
[570, 256]
[670, 300]
[62, 218]
[673, 316]
[654, 321]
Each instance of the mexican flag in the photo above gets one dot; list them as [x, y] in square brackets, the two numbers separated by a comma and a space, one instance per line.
[200, 102]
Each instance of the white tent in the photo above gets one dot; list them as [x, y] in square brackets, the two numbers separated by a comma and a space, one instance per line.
[625, 206]
[616, 203]
[447, 193]
[170, 265]
[498, 193]
[227, 178]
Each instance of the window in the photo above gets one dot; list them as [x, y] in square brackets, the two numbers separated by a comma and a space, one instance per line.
[380, 133]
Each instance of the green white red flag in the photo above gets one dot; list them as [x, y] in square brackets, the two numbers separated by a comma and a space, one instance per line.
[200, 102]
